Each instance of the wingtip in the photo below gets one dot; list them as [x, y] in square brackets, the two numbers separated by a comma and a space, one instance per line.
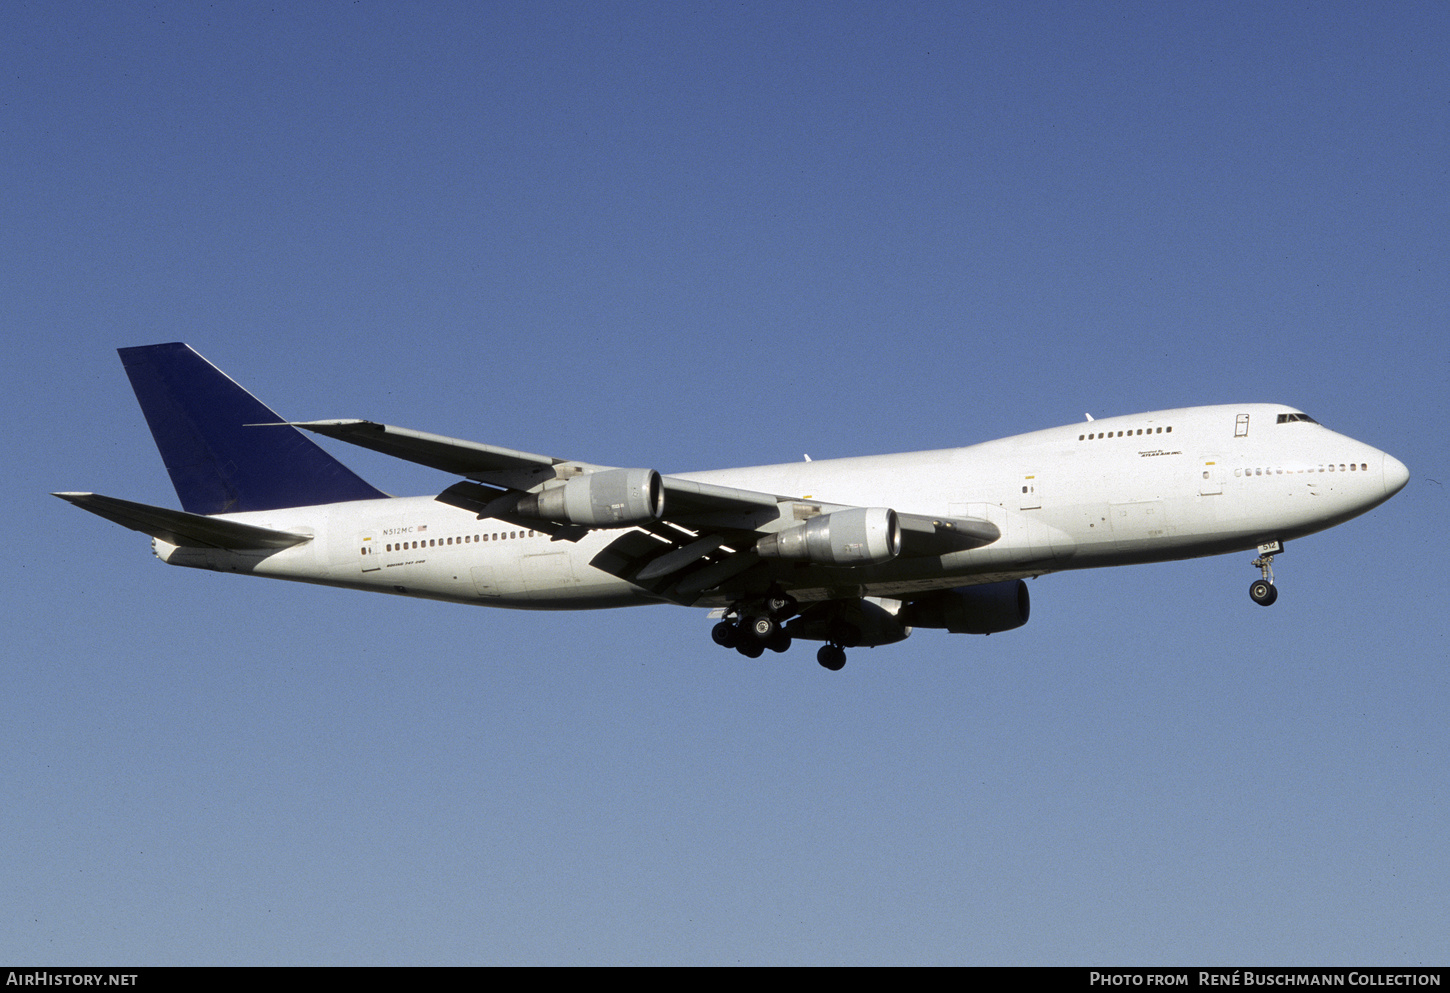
[341, 422]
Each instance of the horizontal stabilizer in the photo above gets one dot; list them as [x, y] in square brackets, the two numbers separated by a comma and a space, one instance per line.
[181, 528]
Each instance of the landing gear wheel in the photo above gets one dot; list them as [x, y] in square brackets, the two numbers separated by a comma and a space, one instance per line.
[783, 605]
[832, 657]
[763, 628]
[754, 625]
[1263, 592]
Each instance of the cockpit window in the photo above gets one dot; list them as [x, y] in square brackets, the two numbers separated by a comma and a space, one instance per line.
[1289, 418]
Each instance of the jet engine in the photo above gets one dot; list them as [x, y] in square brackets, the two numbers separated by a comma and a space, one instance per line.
[860, 536]
[984, 609]
[610, 498]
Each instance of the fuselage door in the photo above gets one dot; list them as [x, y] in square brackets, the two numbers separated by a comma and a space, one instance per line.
[1210, 481]
[372, 552]
[1031, 498]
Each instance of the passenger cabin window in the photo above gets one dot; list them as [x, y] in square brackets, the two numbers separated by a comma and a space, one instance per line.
[1130, 433]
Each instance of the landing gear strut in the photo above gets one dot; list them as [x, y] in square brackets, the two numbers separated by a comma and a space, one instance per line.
[841, 635]
[1263, 591]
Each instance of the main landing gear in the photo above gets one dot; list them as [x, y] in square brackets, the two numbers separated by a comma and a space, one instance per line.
[833, 657]
[840, 636]
[757, 625]
[753, 626]
[1263, 591]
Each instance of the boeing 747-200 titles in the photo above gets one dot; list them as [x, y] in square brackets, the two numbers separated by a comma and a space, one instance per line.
[854, 551]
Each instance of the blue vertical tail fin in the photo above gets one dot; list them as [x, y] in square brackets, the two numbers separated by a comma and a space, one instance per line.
[219, 465]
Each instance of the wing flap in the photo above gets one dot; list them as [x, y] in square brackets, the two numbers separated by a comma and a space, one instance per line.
[681, 558]
[183, 529]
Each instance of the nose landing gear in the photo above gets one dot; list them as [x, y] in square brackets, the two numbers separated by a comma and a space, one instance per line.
[1263, 591]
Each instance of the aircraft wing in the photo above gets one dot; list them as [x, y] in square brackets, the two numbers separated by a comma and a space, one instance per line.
[509, 469]
[183, 529]
[484, 463]
[705, 537]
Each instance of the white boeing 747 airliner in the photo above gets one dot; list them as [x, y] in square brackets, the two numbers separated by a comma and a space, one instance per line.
[855, 551]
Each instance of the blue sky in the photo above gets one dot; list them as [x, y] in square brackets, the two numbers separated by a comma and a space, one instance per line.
[695, 236]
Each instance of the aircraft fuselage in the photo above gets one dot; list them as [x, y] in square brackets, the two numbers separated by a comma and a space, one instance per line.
[1151, 487]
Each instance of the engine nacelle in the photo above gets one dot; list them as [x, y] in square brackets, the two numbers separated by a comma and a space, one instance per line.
[860, 536]
[984, 609]
[610, 498]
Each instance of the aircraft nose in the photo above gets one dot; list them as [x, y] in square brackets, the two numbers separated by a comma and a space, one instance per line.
[1396, 476]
